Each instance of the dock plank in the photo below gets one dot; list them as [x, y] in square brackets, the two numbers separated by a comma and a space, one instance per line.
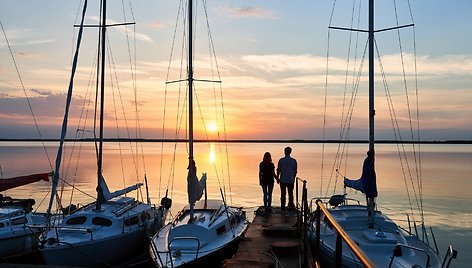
[271, 238]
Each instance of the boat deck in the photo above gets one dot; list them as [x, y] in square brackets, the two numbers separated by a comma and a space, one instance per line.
[271, 238]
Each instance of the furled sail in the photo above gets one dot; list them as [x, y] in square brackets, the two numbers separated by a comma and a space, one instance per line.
[367, 183]
[10, 183]
[106, 192]
[195, 187]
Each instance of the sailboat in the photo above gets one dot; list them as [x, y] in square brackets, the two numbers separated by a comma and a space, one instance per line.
[382, 240]
[203, 233]
[115, 226]
[16, 216]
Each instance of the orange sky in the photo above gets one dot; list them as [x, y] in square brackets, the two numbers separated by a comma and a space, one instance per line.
[272, 62]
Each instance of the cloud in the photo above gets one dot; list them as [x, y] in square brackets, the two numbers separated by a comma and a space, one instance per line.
[156, 25]
[26, 54]
[23, 37]
[124, 30]
[248, 12]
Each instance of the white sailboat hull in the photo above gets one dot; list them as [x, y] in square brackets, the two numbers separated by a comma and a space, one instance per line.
[106, 251]
[377, 243]
[18, 243]
[110, 236]
[209, 239]
[16, 238]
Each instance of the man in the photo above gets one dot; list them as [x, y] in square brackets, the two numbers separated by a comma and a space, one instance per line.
[286, 174]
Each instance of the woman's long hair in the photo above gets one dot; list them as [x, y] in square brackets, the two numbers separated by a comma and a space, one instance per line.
[267, 158]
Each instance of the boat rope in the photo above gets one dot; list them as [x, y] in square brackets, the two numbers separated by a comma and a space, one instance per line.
[182, 103]
[410, 170]
[407, 172]
[81, 129]
[113, 74]
[416, 153]
[132, 63]
[66, 114]
[346, 115]
[213, 55]
[170, 179]
[26, 96]
[325, 103]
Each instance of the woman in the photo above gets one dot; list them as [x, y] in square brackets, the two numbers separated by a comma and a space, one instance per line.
[266, 180]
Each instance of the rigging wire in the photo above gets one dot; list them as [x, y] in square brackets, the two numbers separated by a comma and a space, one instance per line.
[326, 99]
[212, 48]
[165, 105]
[26, 96]
[112, 82]
[420, 206]
[182, 99]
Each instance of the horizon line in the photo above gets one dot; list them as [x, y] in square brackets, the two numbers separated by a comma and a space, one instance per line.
[386, 141]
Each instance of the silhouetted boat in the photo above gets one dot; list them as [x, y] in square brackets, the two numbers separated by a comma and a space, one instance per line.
[384, 242]
[113, 228]
[205, 232]
[18, 231]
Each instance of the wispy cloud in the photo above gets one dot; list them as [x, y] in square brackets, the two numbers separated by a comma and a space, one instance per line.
[156, 25]
[123, 29]
[245, 12]
[23, 37]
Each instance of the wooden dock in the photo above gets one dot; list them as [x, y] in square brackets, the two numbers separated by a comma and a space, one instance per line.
[271, 239]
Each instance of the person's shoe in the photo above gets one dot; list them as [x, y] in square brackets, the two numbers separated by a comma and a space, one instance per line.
[283, 208]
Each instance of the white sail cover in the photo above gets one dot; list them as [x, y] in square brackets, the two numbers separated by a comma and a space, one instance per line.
[106, 192]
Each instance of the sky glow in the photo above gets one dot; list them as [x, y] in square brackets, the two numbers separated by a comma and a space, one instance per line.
[272, 61]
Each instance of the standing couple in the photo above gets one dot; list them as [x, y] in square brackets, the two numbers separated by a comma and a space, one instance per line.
[286, 174]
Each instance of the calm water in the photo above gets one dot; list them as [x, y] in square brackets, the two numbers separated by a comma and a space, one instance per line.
[446, 176]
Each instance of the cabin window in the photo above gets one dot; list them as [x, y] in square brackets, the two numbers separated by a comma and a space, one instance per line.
[76, 220]
[18, 221]
[101, 221]
[131, 221]
[221, 229]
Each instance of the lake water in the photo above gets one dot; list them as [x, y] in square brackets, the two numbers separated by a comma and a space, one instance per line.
[446, 176]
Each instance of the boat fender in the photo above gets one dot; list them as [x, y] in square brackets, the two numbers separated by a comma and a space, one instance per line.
[166, 202]
[336, 200]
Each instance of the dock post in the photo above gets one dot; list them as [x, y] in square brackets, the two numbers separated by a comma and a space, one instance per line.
[318, 232]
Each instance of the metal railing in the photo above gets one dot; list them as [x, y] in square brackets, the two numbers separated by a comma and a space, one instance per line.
[303, 212]
[340, 237]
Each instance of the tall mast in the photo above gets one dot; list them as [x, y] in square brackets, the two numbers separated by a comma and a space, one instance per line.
[102, 106]
[190, 81]
[191, 165]
[371, 200]
[371, 75]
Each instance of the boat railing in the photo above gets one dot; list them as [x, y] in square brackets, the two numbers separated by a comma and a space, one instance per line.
[68, 228]
[302, 220]
[450, 254]
[169, 252]
[340, 237]
[397, 252]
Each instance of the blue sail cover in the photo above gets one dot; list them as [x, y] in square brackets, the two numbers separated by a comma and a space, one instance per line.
[367, 183]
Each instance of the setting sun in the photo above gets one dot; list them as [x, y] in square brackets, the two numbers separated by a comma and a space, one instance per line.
[212, 127]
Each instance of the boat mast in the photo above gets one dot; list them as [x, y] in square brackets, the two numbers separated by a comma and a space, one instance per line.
[371, 200]
[102, 106]
[371, 75]
[190, 83]
[191, 165]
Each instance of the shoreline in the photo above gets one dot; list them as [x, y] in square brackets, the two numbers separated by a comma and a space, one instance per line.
[247, 141]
